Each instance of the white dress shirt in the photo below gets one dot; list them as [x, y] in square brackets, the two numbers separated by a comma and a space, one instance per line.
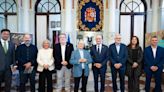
[154, 51]
[82, 56]
[63, 48]
[7, 43]
[45, 56]
[118, 48]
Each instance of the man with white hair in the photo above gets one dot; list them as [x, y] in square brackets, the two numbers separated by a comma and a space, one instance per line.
[118, 54]
[80, 59]
[99, 53]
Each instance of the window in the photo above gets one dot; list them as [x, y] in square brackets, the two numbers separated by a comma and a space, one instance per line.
[8, 12]
[48, 6]
[132, 6]
[133, 20]
[47, 19]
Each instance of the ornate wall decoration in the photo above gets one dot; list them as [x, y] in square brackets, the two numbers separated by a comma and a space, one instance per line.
[90, 15]
[159, 34]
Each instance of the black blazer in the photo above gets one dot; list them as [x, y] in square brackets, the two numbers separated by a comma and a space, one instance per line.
[58, 55]
[100, 58]
[7, 59]
[21, 56]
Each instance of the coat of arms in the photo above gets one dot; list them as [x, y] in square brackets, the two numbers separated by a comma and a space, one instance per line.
[90, 15]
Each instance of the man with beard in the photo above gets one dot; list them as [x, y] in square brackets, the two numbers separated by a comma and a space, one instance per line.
[26, 55]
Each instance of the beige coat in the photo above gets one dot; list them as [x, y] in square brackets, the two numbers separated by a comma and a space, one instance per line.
[45, 56]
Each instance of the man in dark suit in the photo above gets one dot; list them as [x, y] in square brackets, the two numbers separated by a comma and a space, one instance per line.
[62, 54]
[99, 53]
[7, 59]
[153, 60]
[118, 56]
[26, 55]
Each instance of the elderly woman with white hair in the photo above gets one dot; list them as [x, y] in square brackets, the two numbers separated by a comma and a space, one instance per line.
[80, 59]
[45, 66]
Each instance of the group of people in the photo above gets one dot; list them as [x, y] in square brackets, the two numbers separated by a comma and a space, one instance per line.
[123, 60]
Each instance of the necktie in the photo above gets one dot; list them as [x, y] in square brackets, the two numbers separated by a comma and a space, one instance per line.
[5, 47]
[98, 49]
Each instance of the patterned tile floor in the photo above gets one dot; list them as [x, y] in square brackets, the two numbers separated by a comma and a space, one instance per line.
[90, 87]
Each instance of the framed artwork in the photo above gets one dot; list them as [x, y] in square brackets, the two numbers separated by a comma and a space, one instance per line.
[17, 38]
[53, 24]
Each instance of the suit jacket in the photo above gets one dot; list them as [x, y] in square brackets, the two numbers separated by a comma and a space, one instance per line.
[130, 61]
[77, 66]
[149, 59]
[58, 55]
[7, 59]
[120, 57]
[100, 58]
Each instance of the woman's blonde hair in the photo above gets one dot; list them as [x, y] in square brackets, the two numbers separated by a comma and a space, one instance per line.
[46, 41]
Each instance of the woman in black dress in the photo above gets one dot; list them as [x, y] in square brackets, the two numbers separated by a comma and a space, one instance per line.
[134, 64]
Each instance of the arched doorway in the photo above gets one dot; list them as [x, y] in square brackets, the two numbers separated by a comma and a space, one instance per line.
[8, 12]
[133, 20]
[47, 20]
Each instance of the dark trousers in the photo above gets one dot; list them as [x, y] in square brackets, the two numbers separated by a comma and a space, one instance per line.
[44, 76]
[24, 79]
[114, 78]
[157, 76]
[99, 73]
[84, 83]
[133, 81]
[7, 77]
